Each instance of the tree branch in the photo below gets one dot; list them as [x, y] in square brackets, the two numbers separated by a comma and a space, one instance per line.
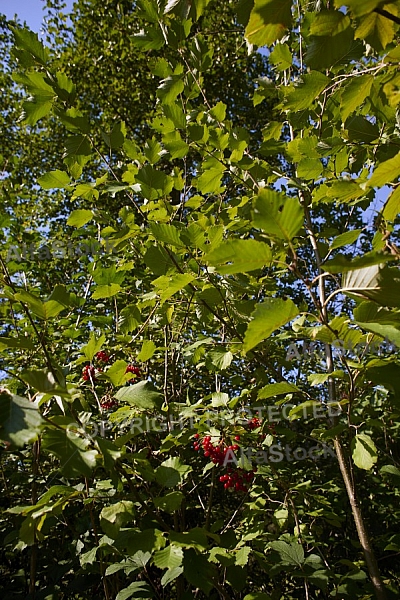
[362, 532]
[387, 14]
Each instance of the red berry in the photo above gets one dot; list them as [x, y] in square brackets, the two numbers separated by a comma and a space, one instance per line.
[254, 423]
[89, 373]
[134, 370]
[107, 404]
[102, 356]
[237, 438]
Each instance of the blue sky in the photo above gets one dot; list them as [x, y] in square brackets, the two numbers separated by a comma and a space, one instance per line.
[30, 11]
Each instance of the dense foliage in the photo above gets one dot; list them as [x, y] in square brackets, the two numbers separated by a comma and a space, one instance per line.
[200, 301]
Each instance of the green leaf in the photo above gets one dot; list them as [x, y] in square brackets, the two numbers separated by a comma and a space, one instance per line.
[276, 389]
[175, 145]
[239, 256]
[192, 9]
[268, 21]
[331, 41]
[77, 145]
[170, 88]
[129, 319]
[153, 183]
[86, 191]
[33, 302]
[377, 30]
[354, 94]
[61, 297]
[242, 556]
[18, 342]
[43, 381]
[80, 217]
[267, 317]
[386, 172]
[195, 538]
[74, 120]
[290, 554]
[76, 460]
[303, 95]
[342, 264]
[142, 394]
[364, 451]
[116, 373]
[318, 378]
[329, 23]
[54, 180]
[167, 286]
[113, 517]
[360, 129]
[28, 40]
[277, 215]
[320, 578]
[117, 135]
[220, 359]
[44, 310]
[359, 7]
[390, 470]
[109, 281]
[147, 351]
[171, 575]
[302, 148]
[151, 39]
[20, 420]
[392, 206]
[145, 541]
[345, 239]
[281, 57]
[198, 571]
[209, 181]
[381, 284]
[388, 332]
[93, 346]
[35, 109]
[309, 168]
[110, 454]
[168, 558]
[170, 502]
[218, 112]
[166, 233]
[219, 399]
[172, 472]
[106, 291]
[138, 588]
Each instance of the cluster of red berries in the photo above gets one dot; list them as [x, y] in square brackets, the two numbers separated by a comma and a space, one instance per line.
[107, 404]
[134, 370]
[88, 373]
[254, 423]
[237, 479]
[216, 453]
